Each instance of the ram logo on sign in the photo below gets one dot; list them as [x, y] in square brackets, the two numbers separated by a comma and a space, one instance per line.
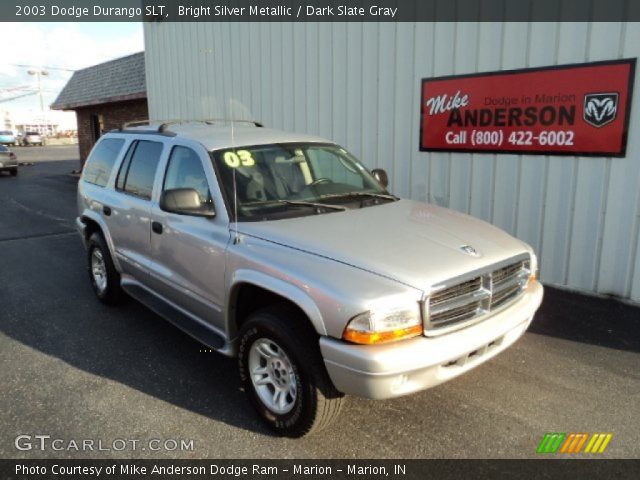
[600, 108]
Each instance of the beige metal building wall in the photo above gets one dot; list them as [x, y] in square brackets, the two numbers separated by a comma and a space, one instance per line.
[359, 85]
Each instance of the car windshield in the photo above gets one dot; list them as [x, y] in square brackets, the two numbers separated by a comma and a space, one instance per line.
[4, 132]
[32, 133]
[284, 180]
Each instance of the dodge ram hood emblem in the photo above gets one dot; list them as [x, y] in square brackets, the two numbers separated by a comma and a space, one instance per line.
[600, 108]
[469, 250]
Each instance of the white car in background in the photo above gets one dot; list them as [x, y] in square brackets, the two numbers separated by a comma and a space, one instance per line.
[31, 138]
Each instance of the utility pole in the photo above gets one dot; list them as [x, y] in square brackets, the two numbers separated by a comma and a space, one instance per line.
[38, 74]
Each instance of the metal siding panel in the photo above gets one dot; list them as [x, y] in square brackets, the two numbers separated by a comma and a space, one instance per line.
[592, 175]
[439, 165]
[370, 94]
[354, 91]
[207, 69]
[541, 51]
[506, 192]
[288, 77]
[403, 138]
[339, 83]
[312, 74]
[483, 166]
[277, 75]
[264, 92]
[556, 227]
[243, 105]
[298, 75]
[622, 219]
[359, 84]
[325, 79]
[465, 61]
[423, 58]
[386, 94]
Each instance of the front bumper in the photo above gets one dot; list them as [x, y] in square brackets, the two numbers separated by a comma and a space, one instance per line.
[395, 369]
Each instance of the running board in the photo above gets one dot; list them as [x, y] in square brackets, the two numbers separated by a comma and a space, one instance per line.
[184, 322]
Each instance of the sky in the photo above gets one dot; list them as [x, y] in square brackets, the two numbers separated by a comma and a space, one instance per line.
[69, 46]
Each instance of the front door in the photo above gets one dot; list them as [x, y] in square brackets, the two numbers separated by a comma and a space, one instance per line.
[189, 251]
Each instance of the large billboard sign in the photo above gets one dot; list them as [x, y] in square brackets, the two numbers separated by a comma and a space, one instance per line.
[580, 109]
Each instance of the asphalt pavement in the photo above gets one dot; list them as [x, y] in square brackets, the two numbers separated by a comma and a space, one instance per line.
[74, 369]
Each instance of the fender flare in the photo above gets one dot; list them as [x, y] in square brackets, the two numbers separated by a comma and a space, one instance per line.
[94, 217]
[279, 287]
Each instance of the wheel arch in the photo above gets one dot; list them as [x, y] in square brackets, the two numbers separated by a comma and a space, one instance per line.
[267, 291]
[94, 223]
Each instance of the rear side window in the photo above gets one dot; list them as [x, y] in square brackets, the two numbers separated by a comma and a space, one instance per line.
[98, 168]
[139, 168]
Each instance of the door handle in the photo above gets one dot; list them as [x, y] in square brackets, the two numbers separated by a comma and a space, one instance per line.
[106, 210]
[156, 227]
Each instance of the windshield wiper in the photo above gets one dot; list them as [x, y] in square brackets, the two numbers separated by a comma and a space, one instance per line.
[385, 196]
[312, 204]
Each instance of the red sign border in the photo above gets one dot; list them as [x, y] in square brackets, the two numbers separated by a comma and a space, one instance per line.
[623, 151]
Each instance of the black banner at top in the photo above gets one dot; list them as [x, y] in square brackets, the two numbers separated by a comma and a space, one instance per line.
[318, 10]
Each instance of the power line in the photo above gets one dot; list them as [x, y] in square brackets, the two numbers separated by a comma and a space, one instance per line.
[3, 100]
[44, 67]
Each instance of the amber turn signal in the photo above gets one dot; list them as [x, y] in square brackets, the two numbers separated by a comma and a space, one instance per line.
[370, 338]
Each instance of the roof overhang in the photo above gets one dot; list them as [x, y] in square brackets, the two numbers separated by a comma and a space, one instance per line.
[99, 101]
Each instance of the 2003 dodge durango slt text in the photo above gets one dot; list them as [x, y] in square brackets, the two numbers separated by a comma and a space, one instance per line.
[282, 250]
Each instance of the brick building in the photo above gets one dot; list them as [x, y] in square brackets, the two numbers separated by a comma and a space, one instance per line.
[105, 96]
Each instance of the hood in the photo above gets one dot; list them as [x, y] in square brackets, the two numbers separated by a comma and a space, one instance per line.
[410, 242]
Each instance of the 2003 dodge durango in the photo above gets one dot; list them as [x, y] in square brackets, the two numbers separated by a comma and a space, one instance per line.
[284, 251]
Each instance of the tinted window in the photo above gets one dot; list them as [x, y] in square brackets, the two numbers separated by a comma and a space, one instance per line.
[328, 163]
[100, 163]
[185, 171]
[142, 169]
[124, 167]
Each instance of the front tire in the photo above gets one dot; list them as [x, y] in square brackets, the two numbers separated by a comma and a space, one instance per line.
[14, 171]
[104, 277]
[283, 374]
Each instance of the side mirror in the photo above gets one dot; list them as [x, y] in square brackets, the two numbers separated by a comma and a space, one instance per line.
[381, 176]
[185, 201]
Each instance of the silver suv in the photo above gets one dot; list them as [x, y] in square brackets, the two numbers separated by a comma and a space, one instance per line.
[284, 251]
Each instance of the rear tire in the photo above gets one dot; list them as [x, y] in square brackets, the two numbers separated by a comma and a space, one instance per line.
[283, 374]
[14, 171]
[104, 277]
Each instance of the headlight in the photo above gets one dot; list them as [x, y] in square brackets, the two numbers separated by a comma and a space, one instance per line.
[383, 326]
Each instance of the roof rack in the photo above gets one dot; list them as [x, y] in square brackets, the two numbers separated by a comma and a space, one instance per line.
[163, 127]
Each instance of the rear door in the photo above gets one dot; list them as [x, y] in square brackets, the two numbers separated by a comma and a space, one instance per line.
[128, 214]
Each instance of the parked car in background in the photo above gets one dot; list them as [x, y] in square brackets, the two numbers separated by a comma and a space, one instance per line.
[31, 138]
[8, 161]
[7, 137]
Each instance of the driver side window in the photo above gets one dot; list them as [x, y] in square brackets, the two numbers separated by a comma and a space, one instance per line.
[185, 171]
[326, 164]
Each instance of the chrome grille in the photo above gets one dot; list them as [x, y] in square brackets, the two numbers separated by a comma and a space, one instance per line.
[452, 306]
